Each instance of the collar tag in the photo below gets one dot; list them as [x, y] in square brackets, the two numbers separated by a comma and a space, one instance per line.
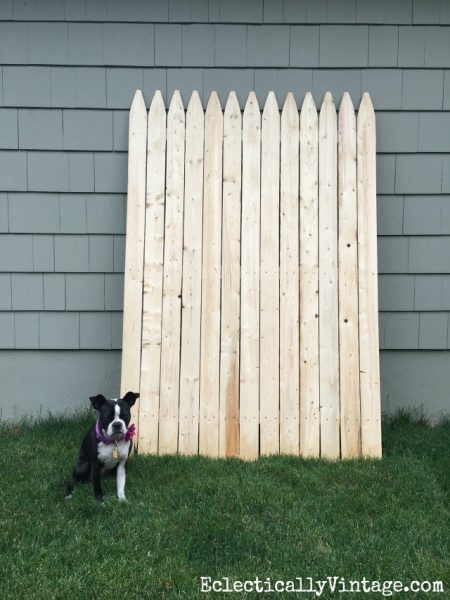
[115, 452]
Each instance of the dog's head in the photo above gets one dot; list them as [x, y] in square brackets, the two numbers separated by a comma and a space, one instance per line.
[114, 415]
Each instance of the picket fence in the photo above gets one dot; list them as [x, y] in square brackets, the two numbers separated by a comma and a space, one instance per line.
[250, 297]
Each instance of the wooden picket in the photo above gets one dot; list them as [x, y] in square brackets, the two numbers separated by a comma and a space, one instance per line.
[289, 279]
[328, 282]
[211, 271]
[348, 283]
[250, 279]
[134, 252]
[153, 276]
[269, 334]
[251, 311]
[172, 279]
[192, 279]
[309, 280]
[231, 272]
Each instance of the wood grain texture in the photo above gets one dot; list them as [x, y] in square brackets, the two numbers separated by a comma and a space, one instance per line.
[153, 277]
[368, 281]
[348, 283]
[328, 282]
[250, 252]
[289, 279]
[173, 258]
[250, 301]
[134, 250]
[211, 273]
[231, 255]
[192, 279]
[269, 409]
[309, 280]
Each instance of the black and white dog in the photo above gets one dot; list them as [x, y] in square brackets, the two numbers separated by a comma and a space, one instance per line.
[106, 446]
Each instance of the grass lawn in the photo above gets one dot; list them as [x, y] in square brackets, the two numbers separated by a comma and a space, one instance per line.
[278, 517]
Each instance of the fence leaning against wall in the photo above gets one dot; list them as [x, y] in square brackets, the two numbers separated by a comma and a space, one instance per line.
[250, 301]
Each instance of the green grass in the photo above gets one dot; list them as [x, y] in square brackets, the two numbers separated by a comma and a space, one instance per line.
[278, 517]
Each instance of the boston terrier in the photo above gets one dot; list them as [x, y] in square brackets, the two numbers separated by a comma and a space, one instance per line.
[106, 446]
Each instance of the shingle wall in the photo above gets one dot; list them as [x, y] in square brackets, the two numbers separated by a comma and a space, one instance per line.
[67, 76]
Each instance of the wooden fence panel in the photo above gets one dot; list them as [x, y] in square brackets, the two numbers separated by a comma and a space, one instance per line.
[252, 270]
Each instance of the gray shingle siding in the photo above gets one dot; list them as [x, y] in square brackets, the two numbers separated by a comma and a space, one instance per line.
[68, 72]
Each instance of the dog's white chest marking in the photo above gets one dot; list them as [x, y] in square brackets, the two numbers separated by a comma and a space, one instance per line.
[106, 454]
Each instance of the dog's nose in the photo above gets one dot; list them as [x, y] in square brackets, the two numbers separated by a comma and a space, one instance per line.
[117, 426]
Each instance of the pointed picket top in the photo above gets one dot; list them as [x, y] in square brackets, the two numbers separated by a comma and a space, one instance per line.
[252, 119]
[290, 105]
[232, 109]
[366, 133]
[327, 105]
[138, 121]
[251, 106]
[327, 118]
[195, 104]
[176, 103]
[308, 113]
[157, 103]
[346, 103]
[366, 113]
[213, 105]
[308, 101]
[347, 125]
[138, 103]
[270, 106]
[366, 103]
[156, 115]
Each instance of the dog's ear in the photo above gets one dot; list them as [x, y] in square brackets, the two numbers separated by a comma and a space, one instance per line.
[97, 401]
[130, 398]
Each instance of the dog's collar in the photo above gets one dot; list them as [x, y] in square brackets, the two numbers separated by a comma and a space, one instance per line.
[106, 440]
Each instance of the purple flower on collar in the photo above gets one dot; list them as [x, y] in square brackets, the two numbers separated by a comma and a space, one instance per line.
[131, 431]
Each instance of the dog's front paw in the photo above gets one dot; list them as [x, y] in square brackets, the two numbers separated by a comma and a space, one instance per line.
[122, 498]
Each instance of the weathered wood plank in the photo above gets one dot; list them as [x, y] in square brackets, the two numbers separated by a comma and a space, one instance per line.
[134, 250]
[368, 281]
[269, 384]
[289, 279]
[250, 251]
[231, 254]
[348, 283]
[309, 280]
[153, 277]
[192, 279]
[328, 282]
[210, 318]
[173, 249]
